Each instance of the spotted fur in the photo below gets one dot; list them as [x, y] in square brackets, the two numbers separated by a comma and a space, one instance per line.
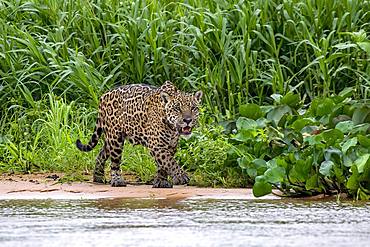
[152, 117]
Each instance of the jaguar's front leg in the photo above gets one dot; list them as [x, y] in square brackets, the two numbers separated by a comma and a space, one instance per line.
[179, 176]
[167, 165]
[160, 180]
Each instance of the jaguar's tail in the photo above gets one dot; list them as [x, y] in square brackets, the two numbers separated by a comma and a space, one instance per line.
[94, 138]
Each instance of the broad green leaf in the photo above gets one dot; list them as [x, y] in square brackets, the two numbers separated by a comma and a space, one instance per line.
[253, 168]
[332, 136]
[301, 170]
[333, 153]
[326, 167]
[252, 172]
[361, 161]
[266, 108]
[273, 133]
[312, 182]
[347, 161]
[349, 143]
[338, 172]
[365, 46]
[262, 123]
[348, 110]
[361, 128]
[245, 124]
[244, 161]
[281, 162]
[275, 174]
[251, 111]
[229, 126]
[260, 166]
[345, 126]
[314, 140]
[299, 124]
[271, 163]
[291, 100]
[360, 115]
[232, 153]
[261, 188]
[353, 183]
[277, 113]
[364, 141]
[245, 135]
[365, 176]
[325, 107]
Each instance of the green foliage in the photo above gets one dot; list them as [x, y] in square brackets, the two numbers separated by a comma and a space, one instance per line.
[252, 111]
[205, 156]
[43, 138]
[314, 151]
[238, 52]
[138, 161]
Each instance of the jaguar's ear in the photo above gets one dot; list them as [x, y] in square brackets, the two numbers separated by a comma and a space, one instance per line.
[165, 97]
[198, 96]
[167, 83]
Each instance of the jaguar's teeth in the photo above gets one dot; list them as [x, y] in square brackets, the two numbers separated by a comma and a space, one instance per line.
[186, 130]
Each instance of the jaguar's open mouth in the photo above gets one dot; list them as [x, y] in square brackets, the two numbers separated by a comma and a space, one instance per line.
[186, 130]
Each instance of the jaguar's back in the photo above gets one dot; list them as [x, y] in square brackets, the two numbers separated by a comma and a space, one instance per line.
[124, 109]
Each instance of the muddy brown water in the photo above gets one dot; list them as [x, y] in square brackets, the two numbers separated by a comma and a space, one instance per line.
[191, 222]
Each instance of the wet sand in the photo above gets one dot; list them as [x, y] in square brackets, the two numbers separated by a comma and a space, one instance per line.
[43, 186]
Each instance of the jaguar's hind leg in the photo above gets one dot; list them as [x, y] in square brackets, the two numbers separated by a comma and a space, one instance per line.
[116, 153]
[98, 176]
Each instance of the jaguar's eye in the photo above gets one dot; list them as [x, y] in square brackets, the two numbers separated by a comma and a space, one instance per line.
[177, 108]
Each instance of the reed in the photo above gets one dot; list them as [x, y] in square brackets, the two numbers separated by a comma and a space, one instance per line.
[236, 51]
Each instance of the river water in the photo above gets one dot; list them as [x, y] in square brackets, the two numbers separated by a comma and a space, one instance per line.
[152, 222]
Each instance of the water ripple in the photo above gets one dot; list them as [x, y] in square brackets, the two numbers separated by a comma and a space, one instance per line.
[123, 222]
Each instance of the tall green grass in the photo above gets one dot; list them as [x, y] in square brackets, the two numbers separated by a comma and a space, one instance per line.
[43, 138]
[236, 51]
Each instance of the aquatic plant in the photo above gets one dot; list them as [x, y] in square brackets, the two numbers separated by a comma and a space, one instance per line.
[300, 149]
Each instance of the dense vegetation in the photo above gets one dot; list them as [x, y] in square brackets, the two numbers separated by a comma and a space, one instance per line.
[286, 81]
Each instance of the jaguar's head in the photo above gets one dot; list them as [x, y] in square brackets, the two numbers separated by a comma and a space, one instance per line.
[181, 109]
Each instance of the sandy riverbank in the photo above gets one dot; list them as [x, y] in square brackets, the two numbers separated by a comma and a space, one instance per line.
[43, 186]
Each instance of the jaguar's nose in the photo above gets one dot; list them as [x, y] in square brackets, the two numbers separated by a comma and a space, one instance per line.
[187, 120]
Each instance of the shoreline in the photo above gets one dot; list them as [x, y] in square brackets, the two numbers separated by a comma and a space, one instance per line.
[45, 186]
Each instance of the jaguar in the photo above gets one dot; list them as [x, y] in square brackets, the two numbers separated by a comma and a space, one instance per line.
[154, 117]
